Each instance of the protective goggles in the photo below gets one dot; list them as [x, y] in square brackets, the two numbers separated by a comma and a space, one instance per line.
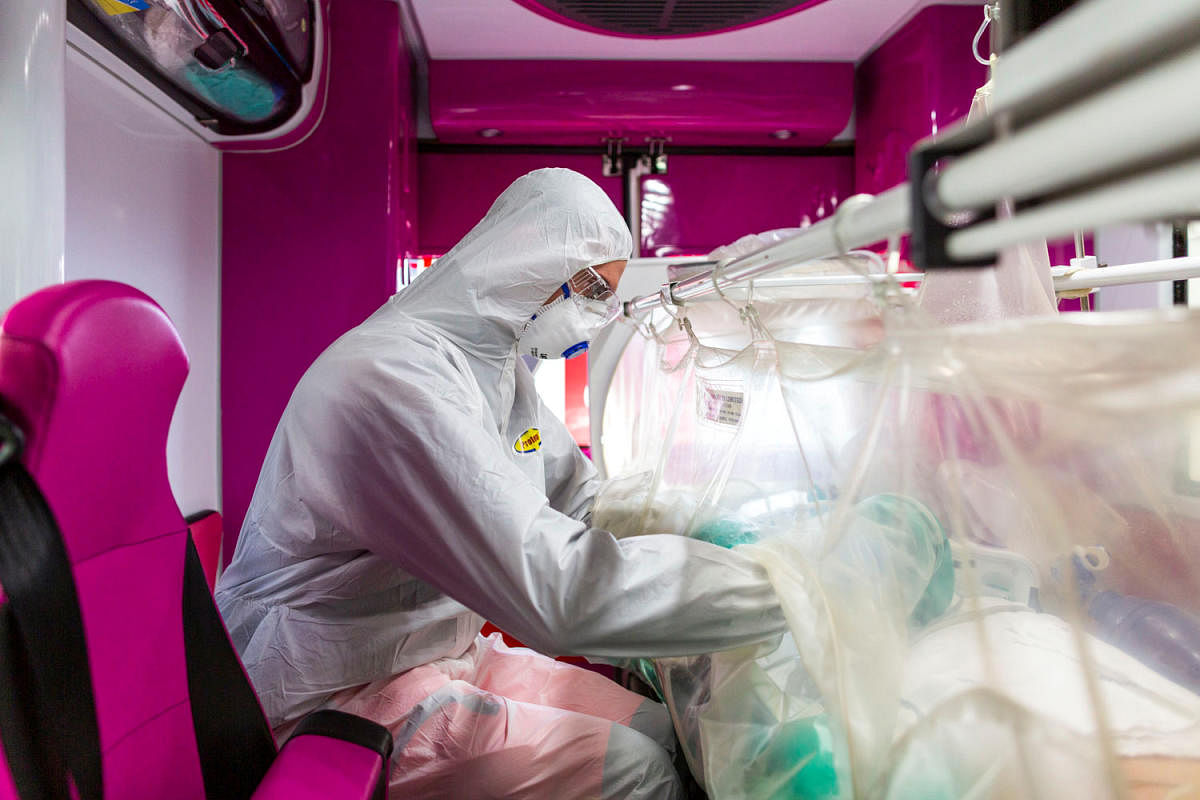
[588, 284]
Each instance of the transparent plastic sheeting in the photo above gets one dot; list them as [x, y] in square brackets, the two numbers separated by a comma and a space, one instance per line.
[1018, 285]
[986, 540]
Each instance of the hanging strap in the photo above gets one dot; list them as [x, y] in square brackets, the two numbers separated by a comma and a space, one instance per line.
[48, 720]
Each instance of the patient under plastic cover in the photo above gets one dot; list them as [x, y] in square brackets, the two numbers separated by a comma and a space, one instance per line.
[986, 539]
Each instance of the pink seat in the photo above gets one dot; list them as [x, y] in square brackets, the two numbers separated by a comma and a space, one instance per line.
[90, 373]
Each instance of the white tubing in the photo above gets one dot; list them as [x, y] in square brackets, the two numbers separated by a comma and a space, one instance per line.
[32, 149]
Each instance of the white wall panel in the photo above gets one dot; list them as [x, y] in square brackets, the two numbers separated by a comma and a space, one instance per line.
[143, 207]
[1131, 244]
[31, 147]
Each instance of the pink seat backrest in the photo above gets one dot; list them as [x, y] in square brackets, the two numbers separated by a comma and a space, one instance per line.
[91, 372]
[94, 369]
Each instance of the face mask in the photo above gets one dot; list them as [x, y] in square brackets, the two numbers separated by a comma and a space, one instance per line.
[563, 328]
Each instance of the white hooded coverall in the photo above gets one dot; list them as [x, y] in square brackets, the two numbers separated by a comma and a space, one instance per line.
[403, 500]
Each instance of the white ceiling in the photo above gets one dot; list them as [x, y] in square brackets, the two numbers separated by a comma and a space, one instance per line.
[836, 30]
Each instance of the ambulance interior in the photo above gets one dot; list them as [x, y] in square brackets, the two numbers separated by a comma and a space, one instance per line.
[908, 321]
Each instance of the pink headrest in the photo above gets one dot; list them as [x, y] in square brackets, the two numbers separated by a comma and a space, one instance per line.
[91, 371]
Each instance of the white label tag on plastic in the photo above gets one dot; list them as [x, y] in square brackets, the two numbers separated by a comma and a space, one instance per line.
[720, 404]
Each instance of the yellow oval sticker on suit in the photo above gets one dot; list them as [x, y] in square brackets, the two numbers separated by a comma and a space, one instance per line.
[528, 441]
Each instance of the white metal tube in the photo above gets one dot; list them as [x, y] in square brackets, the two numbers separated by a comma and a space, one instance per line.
[1148, 114]
[1091, 40]
[1170, 192]
[787, 281]
[667, 261]
[1171, 269]
[850, 227]
[32, 150]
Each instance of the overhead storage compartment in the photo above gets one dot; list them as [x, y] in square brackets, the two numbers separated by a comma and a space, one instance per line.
[238, 66]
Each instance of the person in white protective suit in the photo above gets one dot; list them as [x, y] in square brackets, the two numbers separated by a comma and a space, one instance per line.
[416, 485]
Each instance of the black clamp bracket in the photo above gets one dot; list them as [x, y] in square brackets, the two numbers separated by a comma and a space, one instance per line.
[655, 160]
[931, 223]
[219, 49]
[613, 160]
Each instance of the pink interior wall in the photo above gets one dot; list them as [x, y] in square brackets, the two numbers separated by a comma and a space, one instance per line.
[916, 83]
[706, 201]
[310, 238]
[456, 189]
[709, 201]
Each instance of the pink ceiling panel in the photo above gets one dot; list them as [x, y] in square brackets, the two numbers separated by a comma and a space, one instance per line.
[706, 201]
[688, 102]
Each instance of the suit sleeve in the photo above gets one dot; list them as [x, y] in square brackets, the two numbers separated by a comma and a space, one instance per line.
[411, 472]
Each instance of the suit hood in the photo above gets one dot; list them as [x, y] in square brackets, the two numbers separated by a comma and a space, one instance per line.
[545, 227]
